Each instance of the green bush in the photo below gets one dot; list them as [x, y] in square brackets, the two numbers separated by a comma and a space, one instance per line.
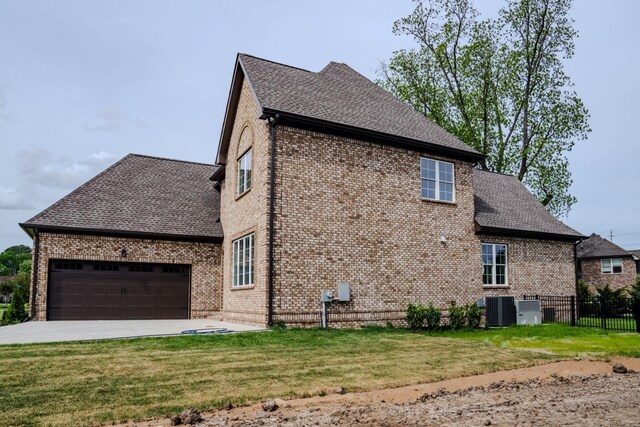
[473, 315]
[614, 299]
[457, 317]
[416, 315]
[634, 291]
[433, 316]
[16, 312]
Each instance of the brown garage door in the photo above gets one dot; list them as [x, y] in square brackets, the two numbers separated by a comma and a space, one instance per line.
[85, 290]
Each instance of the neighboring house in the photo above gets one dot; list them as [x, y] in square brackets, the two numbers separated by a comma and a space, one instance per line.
[636, 257]
[321, 178]
[602, 262]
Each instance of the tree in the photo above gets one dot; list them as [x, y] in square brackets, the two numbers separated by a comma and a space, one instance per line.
[17, 312]
[497, 84]
[12, 258]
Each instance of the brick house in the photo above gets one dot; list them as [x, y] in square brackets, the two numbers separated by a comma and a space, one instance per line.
[321, 178]
[602, 262]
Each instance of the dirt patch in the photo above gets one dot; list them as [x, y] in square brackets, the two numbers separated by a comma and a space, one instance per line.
[561, 393]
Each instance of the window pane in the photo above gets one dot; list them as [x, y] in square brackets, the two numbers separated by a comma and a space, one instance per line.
[446, 172]
[606, 265]
[428, 189]
[244, 172]
[428, 168]
[487, 275]
[501, 254]
[501, 275]
[616, 262]
[617, 269]
[446, 192]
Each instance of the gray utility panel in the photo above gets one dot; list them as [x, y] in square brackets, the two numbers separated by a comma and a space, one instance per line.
[529, 312]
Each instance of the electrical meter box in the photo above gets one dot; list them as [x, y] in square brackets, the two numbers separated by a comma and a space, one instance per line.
[344, 292]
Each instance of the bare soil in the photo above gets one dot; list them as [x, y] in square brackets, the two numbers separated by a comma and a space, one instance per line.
[570, 393]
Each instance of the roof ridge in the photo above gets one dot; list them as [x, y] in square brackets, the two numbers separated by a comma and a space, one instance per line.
[494, 172]
[170, 160]
[279, 63]
[42, 213]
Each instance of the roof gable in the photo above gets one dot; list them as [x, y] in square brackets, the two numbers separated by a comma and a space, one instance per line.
[503, 203]
[141, 195]
[597, 247]
[338, 98]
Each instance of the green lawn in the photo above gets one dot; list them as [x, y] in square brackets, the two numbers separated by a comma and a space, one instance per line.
[119, 380]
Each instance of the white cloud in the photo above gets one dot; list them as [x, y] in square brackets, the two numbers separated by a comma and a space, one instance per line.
[40, 166]
[12, 199]
[112, 120]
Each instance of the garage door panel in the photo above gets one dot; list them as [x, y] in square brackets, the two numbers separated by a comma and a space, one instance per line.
[91, 290]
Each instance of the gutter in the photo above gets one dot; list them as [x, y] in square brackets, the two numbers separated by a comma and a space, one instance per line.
[273, 121]
[34, 280]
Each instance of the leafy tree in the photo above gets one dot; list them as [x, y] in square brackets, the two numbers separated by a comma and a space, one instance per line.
[498, 84]
[16, 312]
[634, 291]
[12, 258]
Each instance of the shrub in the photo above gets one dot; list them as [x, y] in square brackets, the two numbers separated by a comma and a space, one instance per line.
[456, 317]
[416, 315]
[16, 313]
[615, 300]
[634, 291]
[433, 316]
[473, 315]
[279, 325]
[585, 299]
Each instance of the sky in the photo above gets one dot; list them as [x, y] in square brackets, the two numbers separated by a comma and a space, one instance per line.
[83, 83]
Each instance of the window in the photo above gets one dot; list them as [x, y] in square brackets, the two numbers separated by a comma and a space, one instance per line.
[243, 261]
[437, 180]
[611, 266]
[494, 264]
[141, 268]
[244, 172]
[106, 267]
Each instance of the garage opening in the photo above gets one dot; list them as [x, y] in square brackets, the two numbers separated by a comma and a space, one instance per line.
[88, 290]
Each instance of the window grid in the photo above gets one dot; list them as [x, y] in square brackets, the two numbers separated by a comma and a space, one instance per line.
[244, 172]
[437, 179]
[611, 266]
[494, 264]
[243, 249]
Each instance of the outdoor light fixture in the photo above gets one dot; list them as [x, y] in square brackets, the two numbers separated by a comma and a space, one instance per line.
[123, 253]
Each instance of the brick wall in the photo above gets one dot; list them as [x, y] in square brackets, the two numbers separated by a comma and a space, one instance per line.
[204, 258]
[350, 211]
[592, 274]
[247, 213]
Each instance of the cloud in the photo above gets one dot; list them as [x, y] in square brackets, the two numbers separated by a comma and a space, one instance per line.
[111, 121]
[40, 166]
[12, 199]
[3, 105]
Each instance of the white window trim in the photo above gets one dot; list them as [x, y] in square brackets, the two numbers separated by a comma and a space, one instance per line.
[611, 265]
[243, 184]
[247, 239]
[453, 182]
[494, 269]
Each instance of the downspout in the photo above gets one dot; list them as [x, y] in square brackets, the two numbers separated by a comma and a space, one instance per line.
[273, 121]
[34, 279]
[575, 262]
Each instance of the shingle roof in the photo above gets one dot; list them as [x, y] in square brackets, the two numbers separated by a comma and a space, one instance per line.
[597, 247]
[142, 194]
[338, 94]
[635, 252]
[502, 202]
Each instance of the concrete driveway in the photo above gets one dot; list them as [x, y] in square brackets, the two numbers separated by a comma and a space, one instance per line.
[89, 330]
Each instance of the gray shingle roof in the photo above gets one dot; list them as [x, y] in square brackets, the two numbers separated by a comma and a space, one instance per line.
[142, 194]
[635, 252]
[504, 203]
[338, 94]
[597, 247]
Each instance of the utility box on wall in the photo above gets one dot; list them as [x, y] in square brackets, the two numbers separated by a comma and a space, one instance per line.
[344, 292]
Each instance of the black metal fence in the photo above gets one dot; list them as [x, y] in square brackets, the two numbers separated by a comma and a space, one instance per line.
[616, 314]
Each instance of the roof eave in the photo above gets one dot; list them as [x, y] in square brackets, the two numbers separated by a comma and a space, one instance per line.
[529, 234]
[121, 233]
[297, 120]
